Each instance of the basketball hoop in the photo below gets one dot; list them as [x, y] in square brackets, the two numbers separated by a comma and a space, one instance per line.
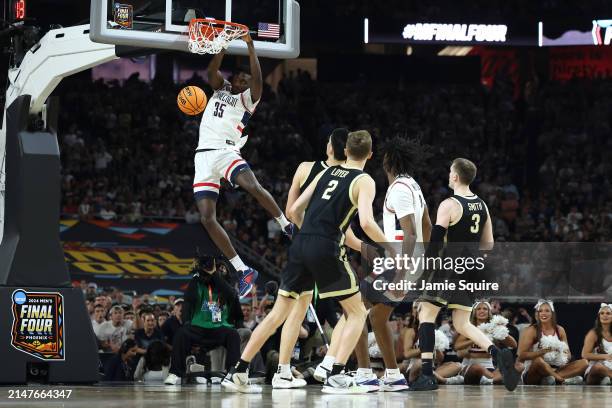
[207, 36]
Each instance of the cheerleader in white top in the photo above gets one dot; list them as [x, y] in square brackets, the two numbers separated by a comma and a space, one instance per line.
[477, 365]
[597, 348]
[544, 348]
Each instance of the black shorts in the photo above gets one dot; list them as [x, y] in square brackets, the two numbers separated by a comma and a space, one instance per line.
[316, 259]
[452, 299]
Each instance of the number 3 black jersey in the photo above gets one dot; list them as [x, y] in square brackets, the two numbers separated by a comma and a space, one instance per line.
[469, 227]
[331, 206]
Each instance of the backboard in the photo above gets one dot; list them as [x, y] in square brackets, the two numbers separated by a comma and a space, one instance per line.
[274, 24]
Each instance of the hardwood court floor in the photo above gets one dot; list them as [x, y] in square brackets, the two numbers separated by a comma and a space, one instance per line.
[106, 395]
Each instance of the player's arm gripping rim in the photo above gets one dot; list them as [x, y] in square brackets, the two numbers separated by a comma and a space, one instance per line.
[215, 79]
[257, 82]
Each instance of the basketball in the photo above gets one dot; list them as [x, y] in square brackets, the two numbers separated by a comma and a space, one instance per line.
[191, 100]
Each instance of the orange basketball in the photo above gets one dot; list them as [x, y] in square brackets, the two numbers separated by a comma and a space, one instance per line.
[191, 100]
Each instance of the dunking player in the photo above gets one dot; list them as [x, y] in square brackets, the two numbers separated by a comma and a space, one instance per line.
[406, 221]
[290, 308]
[218, 154]
[464, 220]
[317, 254]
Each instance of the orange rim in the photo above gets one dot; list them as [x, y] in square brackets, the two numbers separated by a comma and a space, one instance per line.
[219, 22]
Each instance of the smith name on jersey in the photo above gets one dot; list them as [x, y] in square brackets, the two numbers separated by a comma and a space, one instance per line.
[224, 119]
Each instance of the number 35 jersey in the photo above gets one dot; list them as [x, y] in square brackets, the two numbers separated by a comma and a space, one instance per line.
[331, 206]
[225, 117]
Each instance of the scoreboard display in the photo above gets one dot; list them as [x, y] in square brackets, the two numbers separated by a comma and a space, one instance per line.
[18, 10]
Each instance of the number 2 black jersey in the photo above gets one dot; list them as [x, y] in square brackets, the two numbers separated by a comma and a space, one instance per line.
[469, 227]
[331, 206]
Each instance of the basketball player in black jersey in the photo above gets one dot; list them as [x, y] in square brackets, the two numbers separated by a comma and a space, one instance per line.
[291, 305]
[465, 222]
[318, 253]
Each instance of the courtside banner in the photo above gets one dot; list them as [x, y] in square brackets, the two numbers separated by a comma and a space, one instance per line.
[38, 324]
[136, 257]
[513, 272]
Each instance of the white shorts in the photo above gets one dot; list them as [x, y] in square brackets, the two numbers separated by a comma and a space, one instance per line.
[484, 362]
[213, 165]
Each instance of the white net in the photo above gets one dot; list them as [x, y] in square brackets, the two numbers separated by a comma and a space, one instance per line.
[212, 36]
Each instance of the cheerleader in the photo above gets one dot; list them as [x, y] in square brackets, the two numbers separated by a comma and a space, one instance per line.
[544, 348]
[597, 348]
[477, 365]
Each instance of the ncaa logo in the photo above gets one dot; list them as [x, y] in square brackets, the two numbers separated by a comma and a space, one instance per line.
[19, 297]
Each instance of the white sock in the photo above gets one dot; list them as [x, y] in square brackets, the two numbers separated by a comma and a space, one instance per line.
[238, 264]
[363, 371]
[282, 221]
[392, 372]
[284, 370]
[328, 362]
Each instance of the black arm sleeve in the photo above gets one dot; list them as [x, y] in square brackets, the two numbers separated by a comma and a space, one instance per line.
[436, 242]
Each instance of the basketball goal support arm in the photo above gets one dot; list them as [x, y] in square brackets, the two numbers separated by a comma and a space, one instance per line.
[59, 54]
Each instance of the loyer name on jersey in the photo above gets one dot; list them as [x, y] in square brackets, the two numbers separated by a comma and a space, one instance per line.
[339, 173]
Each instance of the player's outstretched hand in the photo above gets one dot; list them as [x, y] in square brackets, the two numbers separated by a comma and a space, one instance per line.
[247, 38]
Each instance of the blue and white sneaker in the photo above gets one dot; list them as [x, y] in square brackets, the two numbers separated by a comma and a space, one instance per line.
[367, 379]
[393, 382]
[248, 278]
[289, 230]
[343, 384]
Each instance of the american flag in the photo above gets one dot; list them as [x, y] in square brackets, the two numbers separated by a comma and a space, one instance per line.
[268, 30]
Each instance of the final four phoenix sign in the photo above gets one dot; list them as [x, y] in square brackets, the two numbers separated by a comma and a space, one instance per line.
[38, 324]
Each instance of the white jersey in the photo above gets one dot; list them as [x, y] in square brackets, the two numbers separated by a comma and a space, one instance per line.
[224, 119]
[404, 197]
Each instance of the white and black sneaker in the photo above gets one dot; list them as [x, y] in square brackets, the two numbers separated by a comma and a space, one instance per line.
[344, 384]
[239, 382]
[321, 373]
[280, 382]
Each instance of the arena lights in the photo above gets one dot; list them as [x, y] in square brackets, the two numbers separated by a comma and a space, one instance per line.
[456, 32]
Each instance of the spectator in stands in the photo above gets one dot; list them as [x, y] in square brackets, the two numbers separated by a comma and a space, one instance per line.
[99, 317]
[119, 367]
[155, 364]
[92, 289]
[174, 322]
[248, 315]
[211, 314]
[129, 315]
[162, 317]
[115, 331]
[148, 334]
